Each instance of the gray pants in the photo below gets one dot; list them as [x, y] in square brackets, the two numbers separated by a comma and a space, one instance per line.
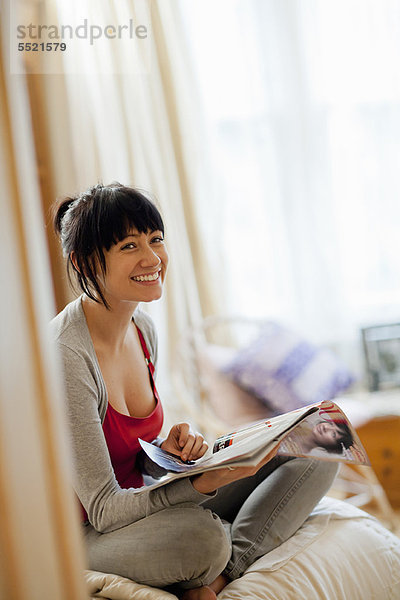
[189, 545]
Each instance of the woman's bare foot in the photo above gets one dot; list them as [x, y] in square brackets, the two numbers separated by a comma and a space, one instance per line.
[206, 592]
[200, 593]
[218, 584]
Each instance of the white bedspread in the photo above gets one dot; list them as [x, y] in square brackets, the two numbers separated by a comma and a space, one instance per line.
[340, 553]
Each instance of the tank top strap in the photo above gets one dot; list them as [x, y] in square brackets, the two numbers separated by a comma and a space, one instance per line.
[144, 346]
[149, 363]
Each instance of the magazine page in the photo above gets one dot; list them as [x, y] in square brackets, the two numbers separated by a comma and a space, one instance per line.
[327, 435]
[239, 455]
[320, 431]
[244, 444]
[271, 428]
[244, 452]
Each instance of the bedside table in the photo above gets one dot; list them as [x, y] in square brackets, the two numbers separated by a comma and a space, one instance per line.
[381, 439]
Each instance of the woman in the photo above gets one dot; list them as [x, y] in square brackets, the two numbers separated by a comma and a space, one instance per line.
[318, 435]
[195, 534]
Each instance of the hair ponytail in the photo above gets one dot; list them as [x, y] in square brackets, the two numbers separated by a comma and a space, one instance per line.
[58, 211]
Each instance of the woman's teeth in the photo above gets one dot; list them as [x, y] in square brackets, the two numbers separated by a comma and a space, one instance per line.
[147, 277]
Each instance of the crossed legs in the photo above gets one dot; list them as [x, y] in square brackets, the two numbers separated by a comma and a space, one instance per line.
[190, 548]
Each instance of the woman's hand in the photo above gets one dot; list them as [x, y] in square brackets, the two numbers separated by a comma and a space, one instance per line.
[185, 443]
[212, 480]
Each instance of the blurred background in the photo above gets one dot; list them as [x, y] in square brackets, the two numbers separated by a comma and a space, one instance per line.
[268, 131]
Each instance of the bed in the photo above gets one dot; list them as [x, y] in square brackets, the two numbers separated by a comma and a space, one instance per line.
[340, 553]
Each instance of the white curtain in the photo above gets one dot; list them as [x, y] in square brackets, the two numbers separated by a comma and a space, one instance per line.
[301, 100]
[41, 551]
[129, 113]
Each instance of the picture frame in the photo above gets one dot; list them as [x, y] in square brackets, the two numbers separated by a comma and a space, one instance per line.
[381, 345]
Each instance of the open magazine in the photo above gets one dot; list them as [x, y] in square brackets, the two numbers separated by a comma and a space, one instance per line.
[319, 431]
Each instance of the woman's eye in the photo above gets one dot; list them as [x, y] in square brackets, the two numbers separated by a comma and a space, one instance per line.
[157, 239]
[128, 246]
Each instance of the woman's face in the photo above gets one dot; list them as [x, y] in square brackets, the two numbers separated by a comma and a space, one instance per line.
[136, 268]
[326, 433]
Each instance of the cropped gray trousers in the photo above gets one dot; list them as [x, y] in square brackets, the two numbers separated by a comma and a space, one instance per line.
[189, 545]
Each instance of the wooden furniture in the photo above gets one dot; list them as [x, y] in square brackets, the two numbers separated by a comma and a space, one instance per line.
[376, 417]
[381, 439]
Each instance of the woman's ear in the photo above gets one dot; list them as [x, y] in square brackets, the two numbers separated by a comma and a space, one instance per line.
[72, 258]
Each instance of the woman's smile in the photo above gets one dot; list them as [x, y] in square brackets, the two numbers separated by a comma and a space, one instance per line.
[140, 258]
[147, 278]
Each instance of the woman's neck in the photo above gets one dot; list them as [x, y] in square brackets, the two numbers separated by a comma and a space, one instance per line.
[109, 327]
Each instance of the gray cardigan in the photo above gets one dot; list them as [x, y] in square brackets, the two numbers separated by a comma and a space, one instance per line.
[108, 506]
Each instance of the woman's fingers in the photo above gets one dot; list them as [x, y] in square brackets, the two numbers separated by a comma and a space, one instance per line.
[176, 439]
[192, 444]
[199, 447]
[183, 441]
[190, 449]
[183, 430]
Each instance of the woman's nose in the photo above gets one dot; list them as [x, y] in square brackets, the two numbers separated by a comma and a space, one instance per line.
[150, 257]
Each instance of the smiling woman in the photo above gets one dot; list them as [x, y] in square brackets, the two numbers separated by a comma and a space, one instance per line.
[135, 267]
[111, 223]
[113, 237]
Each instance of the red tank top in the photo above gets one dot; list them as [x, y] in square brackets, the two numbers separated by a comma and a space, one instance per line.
[122, 432]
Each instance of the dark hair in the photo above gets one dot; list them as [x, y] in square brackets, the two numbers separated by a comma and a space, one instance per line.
[344, 441]
[90, 223]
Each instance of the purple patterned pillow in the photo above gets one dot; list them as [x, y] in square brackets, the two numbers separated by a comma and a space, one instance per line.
[287, 372]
